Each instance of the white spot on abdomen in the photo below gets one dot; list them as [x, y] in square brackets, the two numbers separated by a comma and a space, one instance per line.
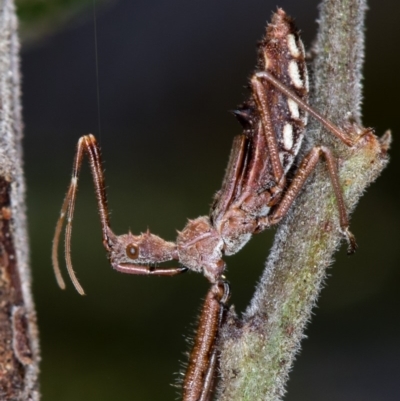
[305, 118]
[293, 49]
[294, 74]
[288, 136]
[293, 108]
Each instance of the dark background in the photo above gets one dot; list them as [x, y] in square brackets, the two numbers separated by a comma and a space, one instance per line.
[168, 73]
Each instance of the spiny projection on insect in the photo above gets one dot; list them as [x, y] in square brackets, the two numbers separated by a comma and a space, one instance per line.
[255, 193]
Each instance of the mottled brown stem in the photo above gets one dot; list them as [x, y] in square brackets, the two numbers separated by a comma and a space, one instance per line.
[19, 349]
[256, 356]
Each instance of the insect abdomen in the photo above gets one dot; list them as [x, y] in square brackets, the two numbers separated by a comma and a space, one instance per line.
[282, 54]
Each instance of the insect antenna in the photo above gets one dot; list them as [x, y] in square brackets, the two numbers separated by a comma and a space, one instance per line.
[56, 240]
[89, 145]
[67, 209]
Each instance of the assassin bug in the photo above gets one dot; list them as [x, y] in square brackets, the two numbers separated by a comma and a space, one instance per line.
[255, 193]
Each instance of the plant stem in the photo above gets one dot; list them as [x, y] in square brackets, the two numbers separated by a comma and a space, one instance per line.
[257, 353]
[19, 349]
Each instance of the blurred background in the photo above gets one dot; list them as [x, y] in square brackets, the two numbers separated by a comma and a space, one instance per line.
[168, 74]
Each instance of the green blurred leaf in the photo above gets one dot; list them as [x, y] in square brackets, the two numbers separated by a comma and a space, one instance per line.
[39, 18]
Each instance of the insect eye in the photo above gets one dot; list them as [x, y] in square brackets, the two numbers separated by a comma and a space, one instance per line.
[132, 251]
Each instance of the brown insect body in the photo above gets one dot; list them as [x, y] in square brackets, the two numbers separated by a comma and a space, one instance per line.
[250, 187]
[254, 194]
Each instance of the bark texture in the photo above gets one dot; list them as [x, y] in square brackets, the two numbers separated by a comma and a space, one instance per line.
[258, 351]
[19, 350]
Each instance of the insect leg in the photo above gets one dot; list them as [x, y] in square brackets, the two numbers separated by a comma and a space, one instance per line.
[89, 145]
[150, 271]
[307, 166]
[344, 137]
[200, 374]
[269, 132]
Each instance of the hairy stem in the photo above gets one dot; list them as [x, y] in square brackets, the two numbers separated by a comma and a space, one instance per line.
[19, 350]
[258, 352]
